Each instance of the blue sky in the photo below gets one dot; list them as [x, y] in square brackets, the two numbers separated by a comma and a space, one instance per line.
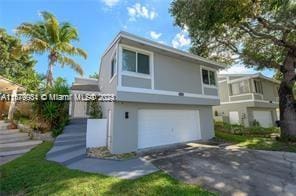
[98, 22]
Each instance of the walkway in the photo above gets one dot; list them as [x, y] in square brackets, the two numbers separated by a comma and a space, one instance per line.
[69, 149]
[14, 143]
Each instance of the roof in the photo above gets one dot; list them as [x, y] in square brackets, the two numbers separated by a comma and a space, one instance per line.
[8, 85]
[144, 41]
[248, 76]
[85, 87]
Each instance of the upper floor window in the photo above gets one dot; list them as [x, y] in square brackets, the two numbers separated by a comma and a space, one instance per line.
[208, 77]
[113, 65]
[135, 62]
[240, 87]
[258, 86]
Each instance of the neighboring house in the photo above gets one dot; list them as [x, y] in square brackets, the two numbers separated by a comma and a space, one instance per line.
[8, 107]
[248, 97]
[163, 95]
[81, 87]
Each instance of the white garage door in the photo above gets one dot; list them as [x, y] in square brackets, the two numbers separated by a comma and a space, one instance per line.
[162, 127]
[263, 117]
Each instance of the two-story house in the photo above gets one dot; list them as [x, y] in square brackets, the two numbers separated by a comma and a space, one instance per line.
[247, 99]
[163, 95]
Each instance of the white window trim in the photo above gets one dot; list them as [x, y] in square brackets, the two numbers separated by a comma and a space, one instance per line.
[122, 72]
[141, 51]
[114, 54]
[240, 93]
[207, 85]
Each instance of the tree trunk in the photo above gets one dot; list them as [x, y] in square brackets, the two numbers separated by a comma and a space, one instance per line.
[52, 58]
[287, 101]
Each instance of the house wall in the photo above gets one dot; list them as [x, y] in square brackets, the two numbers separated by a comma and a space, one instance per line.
[130, 81]
[166, 99]
[125, 131]
[223, 91]
[173, 74]
[269, 90]
[241, 108]
[241, 97]
[170, 73]
[108, 86]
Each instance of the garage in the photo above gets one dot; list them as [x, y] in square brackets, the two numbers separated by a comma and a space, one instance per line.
[163, 127]
[264, 118]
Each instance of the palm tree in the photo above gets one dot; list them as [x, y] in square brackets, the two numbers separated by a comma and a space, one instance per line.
[50, 36]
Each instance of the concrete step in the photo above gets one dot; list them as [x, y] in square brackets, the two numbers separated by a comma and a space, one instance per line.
[69, 157]
[70, 137]
[67, 131]
[4, 126]
[8, 131]
[15, 139]
[20, 144]
[15, 148]
[70, 142]
[57, 150]
[16, 151]
[13, 135]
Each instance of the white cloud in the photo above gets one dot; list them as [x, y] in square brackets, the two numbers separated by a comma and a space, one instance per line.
[154, 35]
[181, 40]
[138, 11]
[237, 69]
[110, 3]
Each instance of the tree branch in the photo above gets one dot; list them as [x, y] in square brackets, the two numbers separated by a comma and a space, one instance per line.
[258, 35]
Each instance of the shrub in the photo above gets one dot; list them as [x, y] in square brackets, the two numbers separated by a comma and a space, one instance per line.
[52, 114]
[255, 123]
[94, 109]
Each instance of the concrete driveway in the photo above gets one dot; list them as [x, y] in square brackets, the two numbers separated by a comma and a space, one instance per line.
[232, 171]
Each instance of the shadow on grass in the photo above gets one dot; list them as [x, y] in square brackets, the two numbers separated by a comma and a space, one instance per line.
[256, 142]
[31, 174]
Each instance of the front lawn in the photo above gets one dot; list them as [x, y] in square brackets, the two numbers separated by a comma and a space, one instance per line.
[33, 175]
[256, 142]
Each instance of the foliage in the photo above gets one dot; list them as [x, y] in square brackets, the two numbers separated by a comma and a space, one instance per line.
[259, 33]
[256, 142]
[15, 66]
[255, 123]
[94, 109]
[255, 129]
[31, 174]
[279, 76]
[50, 36]
[94, 75]
[52, 113]
[256, 32]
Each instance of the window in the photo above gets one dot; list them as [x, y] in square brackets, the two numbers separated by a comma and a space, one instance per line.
[135, 62]
[208, 77]
[258, 86]
[239, 87]
[113, 65]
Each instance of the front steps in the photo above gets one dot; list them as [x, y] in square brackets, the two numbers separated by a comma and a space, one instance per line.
[70, 146]
[14, 143]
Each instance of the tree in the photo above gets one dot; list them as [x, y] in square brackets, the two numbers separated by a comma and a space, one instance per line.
[94, 75]
[50, 36]
[279, 76]
[259, 33]
[18, 67]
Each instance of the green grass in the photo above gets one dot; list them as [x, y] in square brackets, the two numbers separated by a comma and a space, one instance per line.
[31, 174]
[256, 142]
